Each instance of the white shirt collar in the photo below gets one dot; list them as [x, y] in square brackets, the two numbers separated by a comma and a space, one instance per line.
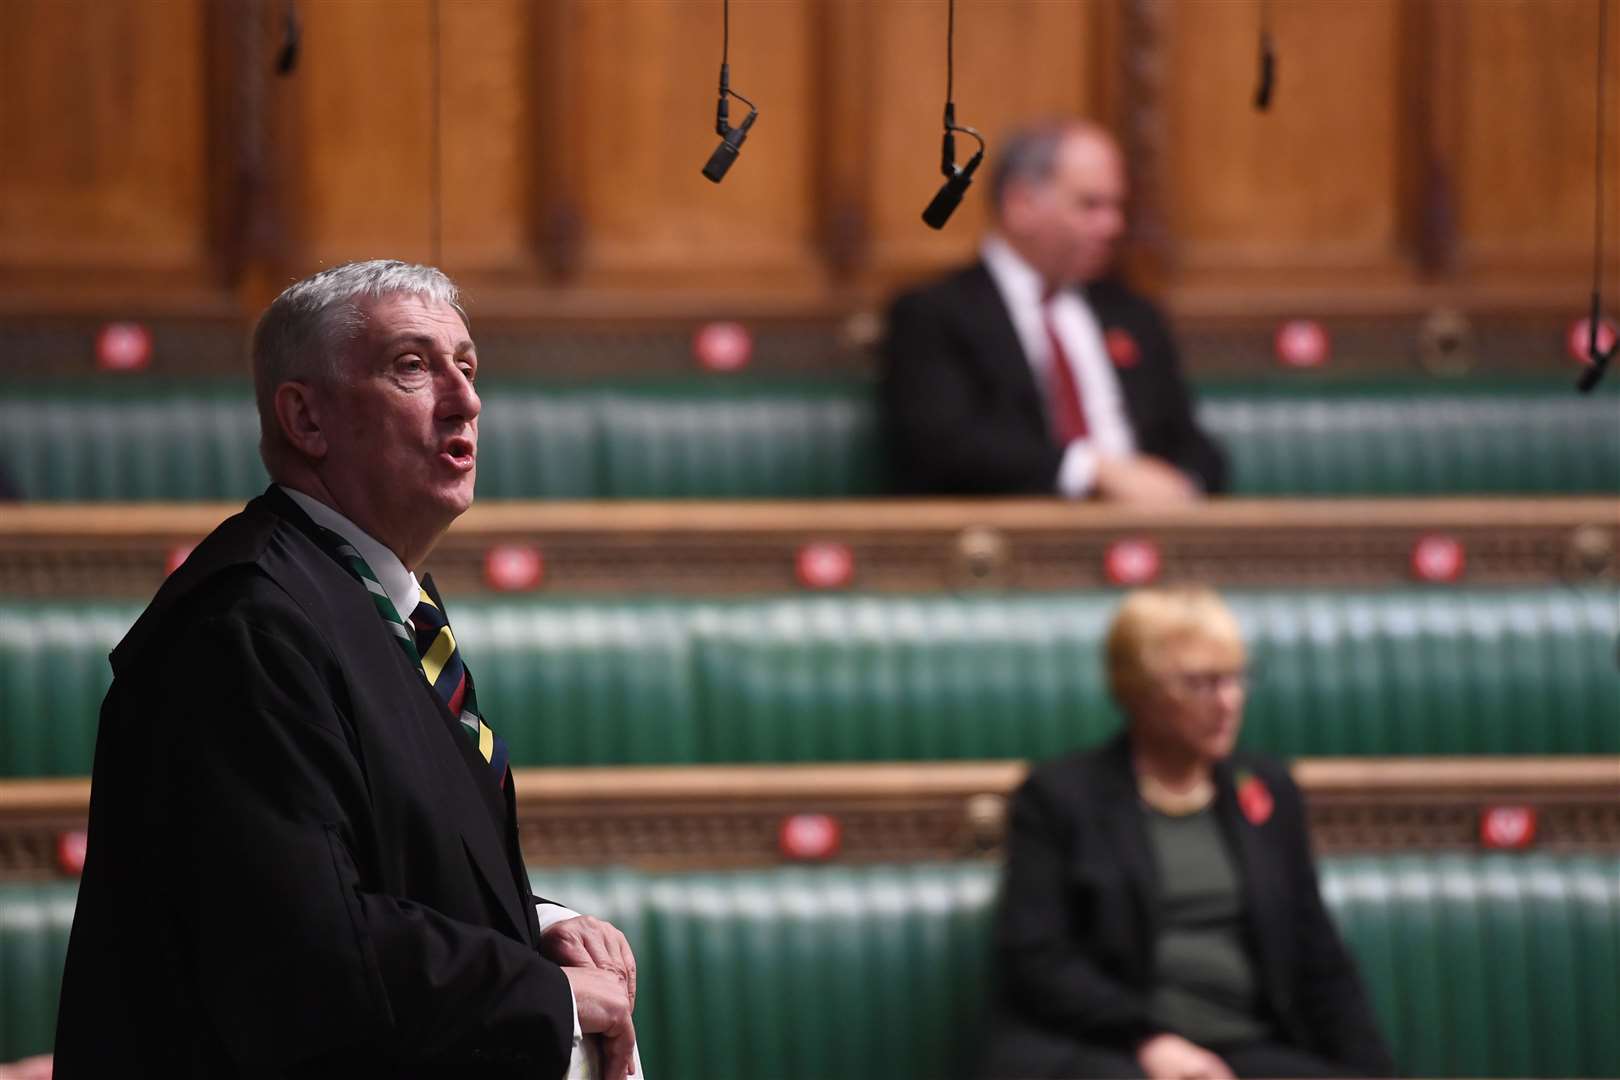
[1019, 282]
[399, 583]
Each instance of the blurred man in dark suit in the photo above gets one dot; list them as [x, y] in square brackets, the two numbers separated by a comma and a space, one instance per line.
[303, 855]
[1033, 371]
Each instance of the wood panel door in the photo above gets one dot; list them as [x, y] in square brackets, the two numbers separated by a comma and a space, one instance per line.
[105, 179]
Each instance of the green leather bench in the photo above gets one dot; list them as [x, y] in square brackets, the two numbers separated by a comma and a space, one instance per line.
[747, 437]
[699, 438]
[1479, 965]
[853, 678]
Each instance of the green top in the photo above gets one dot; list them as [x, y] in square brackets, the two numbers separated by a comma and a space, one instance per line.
[1206, 989]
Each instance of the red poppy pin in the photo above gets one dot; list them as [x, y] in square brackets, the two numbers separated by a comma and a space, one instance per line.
[1122, 348]
[1254, 798]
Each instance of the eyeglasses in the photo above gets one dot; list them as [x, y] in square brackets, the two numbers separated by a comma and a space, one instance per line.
[1206, 683]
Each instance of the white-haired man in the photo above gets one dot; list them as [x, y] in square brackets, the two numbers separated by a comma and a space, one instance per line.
[303, 853]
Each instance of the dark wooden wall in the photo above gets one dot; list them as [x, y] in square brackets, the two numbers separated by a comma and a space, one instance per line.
[1419, 152]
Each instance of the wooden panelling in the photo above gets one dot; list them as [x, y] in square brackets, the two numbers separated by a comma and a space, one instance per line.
[643, 125]
[1312, 184]
[1015, 61]
[725, 816]
[360, 176]
[489, 137]
[1521, 135]
[912, 546]
[103, 120]
[1418, 152]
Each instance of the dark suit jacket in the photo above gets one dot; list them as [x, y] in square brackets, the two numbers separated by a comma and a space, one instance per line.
[296, 864]
[1076, 929]
[962, 412]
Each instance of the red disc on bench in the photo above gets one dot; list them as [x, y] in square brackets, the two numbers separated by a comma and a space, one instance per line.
[824, 565]
[1303, 343]
[723, 346]
[70, 848]
[1507, 826]
[809, 836]
[1437, 557]
[514, 567]
[123, 346]
[1132, 562]
[1579, 339]
[176, 557]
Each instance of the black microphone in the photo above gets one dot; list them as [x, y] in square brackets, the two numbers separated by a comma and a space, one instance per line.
[1268, 74]
[291, 38]
[950, 195]
[1598, 359]
[726, 152]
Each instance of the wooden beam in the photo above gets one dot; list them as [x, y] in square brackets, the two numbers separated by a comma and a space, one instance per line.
[733, 815]
[720, 548]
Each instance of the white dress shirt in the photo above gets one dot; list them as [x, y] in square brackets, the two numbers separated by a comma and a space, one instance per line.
[1109, 429]
[405, 592]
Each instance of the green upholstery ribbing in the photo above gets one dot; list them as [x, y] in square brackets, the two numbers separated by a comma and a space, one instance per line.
[750, 437]
[34, 922]
[1494, 965]
[1478, 965]
[861, 678]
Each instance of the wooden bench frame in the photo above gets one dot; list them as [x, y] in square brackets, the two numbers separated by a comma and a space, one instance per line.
[721, 816]
[730, 548]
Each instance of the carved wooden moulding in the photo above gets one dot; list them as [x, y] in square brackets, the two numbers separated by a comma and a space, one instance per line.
[886, 546]
[724, 816]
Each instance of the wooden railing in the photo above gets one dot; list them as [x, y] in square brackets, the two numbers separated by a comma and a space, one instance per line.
[716, 548]
[705, 816]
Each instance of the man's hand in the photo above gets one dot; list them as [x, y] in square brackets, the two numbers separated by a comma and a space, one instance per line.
[589, 942]
[1142, 479]
[34, 1068]
[604, 1010]
[1170, 1057]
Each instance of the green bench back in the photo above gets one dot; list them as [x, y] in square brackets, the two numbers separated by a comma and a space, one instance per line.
[869, 678]
[723, 437]
[1478, 965]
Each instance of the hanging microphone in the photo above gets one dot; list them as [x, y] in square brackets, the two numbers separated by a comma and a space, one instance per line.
[726, 152]
[950, 195]
[1268, 74]
[731, 138]
[957, 180]
[1598, 357]
[1267, 77]
[291, 35]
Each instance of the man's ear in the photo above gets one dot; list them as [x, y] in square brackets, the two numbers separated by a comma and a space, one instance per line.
[1013, 214]
[299, 418]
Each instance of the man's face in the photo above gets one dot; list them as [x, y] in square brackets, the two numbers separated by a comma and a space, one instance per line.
[402, 423]
[1069, 227]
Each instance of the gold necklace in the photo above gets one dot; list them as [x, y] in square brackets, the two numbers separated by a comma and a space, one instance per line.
[1156, 794]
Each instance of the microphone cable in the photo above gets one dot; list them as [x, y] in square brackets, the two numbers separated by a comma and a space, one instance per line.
[957, 181]
[291, 38]
[1268, 61]
[436, 125]
[731, 138]
[1599, 357]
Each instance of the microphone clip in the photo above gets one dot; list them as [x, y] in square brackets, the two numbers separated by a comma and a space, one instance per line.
[731, 138]
[1597, 356]
[957, 181]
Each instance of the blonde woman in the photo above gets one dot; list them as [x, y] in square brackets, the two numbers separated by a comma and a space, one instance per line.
[1160, 914]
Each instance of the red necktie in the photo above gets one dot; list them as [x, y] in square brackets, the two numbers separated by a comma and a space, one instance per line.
[1063, 393]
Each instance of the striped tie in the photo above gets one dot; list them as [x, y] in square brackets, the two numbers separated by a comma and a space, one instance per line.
[427, 640]
[354, 564]
[441, 663]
